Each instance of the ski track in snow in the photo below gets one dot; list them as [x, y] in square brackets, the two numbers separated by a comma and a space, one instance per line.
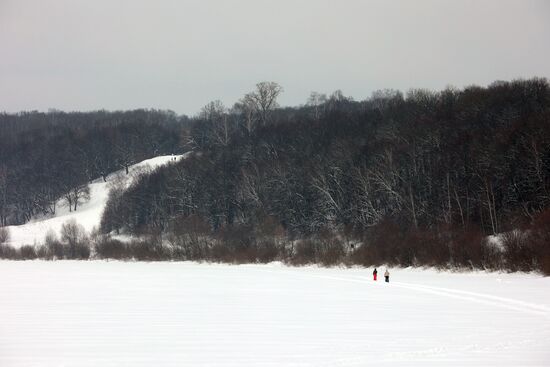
[441, 355]
[509, 303]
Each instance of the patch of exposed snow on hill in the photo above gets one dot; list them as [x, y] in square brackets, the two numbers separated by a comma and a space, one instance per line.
[87, 214]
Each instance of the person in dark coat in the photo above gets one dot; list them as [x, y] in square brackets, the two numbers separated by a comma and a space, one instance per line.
[375, 273]
[387, 276]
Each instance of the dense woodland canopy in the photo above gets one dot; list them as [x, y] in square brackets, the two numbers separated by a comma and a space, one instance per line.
[424, 175]
[420, 178]
[45, 157]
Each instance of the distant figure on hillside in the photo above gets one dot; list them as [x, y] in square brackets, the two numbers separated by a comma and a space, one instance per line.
[387, 276]
[375, 273]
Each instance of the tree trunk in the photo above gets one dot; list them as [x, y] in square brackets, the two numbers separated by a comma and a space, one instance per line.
[449, 213]
[490, 205]
[459, 207]
[413, 207]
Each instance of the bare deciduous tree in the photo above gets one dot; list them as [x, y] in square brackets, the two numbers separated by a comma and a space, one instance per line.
[74, 235]
[245, 109]
[3, 194]
[77, 195]
[317, 101]
[264, 100]
[4, 235]
[219, 127]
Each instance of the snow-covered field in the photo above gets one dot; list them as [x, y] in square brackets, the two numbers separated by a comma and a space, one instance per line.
[88, 214]
[100, 313]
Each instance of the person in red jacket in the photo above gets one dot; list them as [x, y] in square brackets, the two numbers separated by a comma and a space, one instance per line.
[375, 273]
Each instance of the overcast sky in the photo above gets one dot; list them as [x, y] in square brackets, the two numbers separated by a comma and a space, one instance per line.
[181, 54]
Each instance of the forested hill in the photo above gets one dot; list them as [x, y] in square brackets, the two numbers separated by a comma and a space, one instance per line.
[48, 156]
[419, 178]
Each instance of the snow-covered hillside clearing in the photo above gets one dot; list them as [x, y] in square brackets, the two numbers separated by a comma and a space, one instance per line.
[87, 214]
[96, 313]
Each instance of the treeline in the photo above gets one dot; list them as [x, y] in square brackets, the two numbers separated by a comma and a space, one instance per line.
[415, 179]
[193, 239]
[45, 157]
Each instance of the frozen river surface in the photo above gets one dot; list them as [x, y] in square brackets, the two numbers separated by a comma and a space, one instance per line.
[97, 313]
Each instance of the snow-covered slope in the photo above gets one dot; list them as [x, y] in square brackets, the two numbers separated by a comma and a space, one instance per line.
[98, 313]
[87, 214]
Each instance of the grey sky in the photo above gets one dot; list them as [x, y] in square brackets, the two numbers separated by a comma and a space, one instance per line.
[179, 55]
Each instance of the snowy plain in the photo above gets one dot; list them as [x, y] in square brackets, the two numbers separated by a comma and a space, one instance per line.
[87, 214]
[109, 313]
